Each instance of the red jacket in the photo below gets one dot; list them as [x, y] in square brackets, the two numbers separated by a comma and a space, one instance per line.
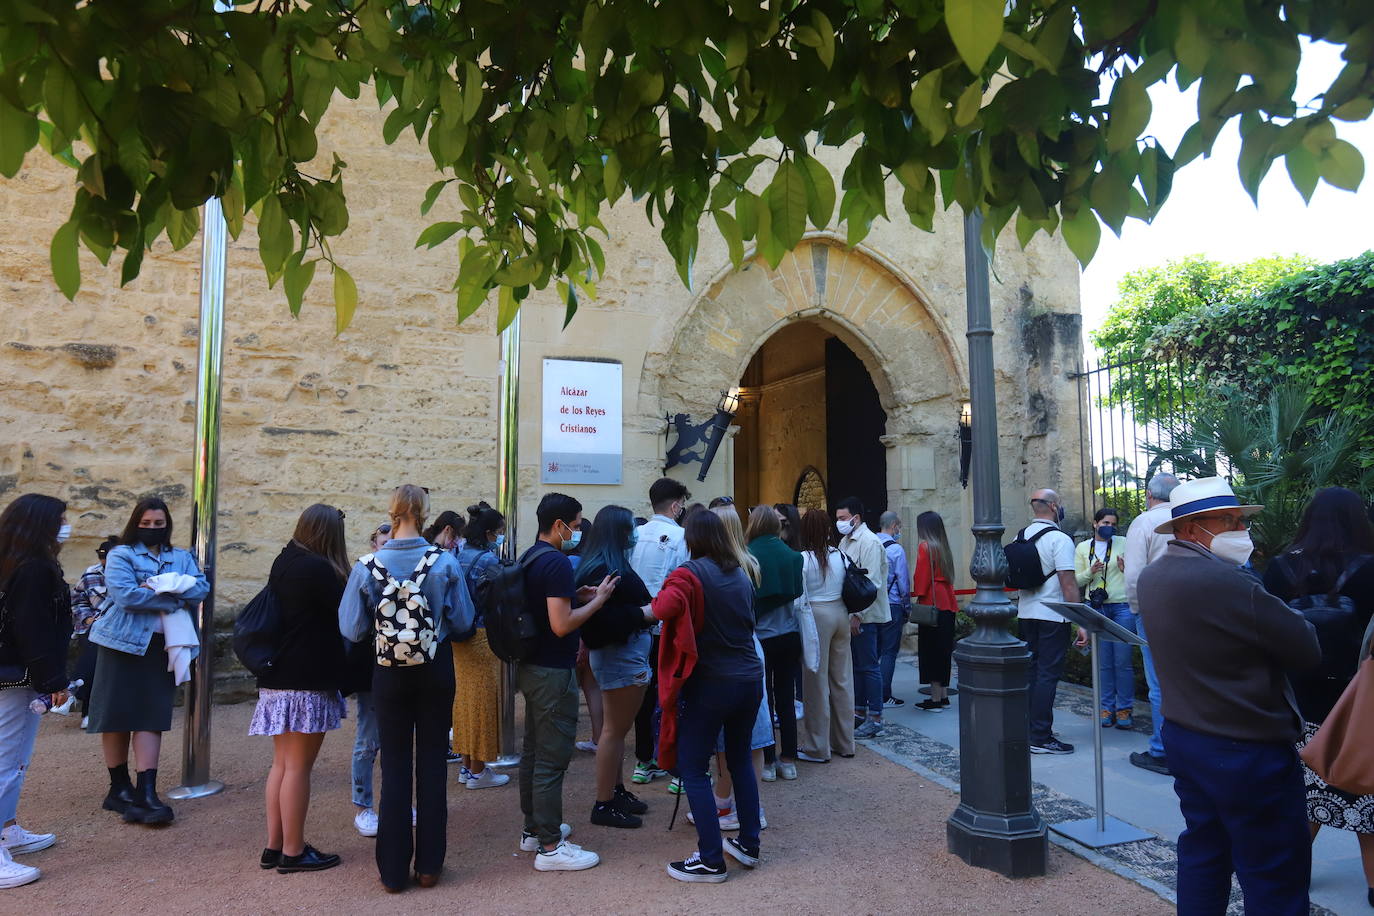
[681, 605]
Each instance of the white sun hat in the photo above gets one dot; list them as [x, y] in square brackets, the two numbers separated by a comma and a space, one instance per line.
[1194, 497]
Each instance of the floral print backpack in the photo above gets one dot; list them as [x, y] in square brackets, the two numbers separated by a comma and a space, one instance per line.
[403, 625]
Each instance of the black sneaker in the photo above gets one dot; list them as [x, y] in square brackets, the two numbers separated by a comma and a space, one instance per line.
[931, 706]
[310, 859]
[893, 703]
[627, 801]
[742, 854]
[1052, 746]
[454, 758]
[695, 870]
[271, 858]
[609, 814]
[1148, 761]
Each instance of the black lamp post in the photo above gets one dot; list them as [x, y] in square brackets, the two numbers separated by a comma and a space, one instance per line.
[995, 826]
[712, 432]
[965, 434]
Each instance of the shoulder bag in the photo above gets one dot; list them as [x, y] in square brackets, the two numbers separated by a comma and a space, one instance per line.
[858, 591]
[927, 615]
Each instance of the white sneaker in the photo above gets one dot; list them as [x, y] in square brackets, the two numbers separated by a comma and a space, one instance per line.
[566, 857]
[16, 840]
[487, 779]
[770, 772]
[731, 821]
[588, 747]
[366, 822]
[65, 708]
[13, 874]
[530, 843]
[85, 722]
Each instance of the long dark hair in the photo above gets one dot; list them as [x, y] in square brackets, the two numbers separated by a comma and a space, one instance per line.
[149, 503]
[817, 536]
[28, 531]
[707, 539]
[607, 548]
[447, 519]
[930, 530]
[791, 525]
[1334, 527]
[320, 530]
[482, 520]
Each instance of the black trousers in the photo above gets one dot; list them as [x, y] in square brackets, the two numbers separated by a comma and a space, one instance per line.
[782, 656]
[413, 706]
[646, 727]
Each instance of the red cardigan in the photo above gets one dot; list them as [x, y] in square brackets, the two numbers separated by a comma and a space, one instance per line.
[681, 605]
[942, 596]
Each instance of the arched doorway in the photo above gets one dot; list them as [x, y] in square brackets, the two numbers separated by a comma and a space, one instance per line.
[810, 424]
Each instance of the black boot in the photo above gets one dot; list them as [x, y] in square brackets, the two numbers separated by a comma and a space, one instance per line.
[147, 808]
[121, 794]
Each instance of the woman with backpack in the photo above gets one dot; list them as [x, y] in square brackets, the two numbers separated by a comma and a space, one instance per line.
[299, 699]
[477, 702]
[1328, 574]
[780, 584]
[35, 625]
[712, 679]
[828, 692]
[131, 704]
[412, 682]
[933, 584]
[617, 639]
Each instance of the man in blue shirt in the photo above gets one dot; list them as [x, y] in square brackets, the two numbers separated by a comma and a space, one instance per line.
[898, 600]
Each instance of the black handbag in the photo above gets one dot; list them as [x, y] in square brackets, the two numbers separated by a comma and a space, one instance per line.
[927, 615]
[256, 631]
[858, 591]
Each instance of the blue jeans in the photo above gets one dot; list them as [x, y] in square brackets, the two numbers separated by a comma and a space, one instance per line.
[18, 731]
[868, 675]
[889, 644]
[1152, 681]
[1048, 643]
[365, 746]
[707, 706]
[1246, 812]
[1114, 662]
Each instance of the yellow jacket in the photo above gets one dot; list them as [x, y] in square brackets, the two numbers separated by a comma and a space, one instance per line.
[1115, 575]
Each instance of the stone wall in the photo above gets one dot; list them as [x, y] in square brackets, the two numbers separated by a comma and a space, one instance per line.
[97, 396]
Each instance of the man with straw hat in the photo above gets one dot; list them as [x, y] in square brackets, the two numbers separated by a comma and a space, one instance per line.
[1222, 648]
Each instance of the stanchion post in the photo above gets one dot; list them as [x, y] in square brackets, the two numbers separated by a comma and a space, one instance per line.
[195, 766]
[507, 500]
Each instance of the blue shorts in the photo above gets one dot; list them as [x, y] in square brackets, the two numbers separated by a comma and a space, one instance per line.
[624, 664]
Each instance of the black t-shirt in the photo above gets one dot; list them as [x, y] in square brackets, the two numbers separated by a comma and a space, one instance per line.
[550, 575]
[725, 643]
[621, 616]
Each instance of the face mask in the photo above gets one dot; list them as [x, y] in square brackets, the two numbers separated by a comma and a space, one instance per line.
[1233, 546]
[571, 542]
[1106, 532]
[896, 535]
[63, 533]
[151, 537]
[500, 539]
[1059, 513]
[845, 527]
[634, 539]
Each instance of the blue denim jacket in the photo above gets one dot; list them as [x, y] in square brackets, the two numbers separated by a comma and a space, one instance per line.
[131, 611]
[444, 588]
[475, 561]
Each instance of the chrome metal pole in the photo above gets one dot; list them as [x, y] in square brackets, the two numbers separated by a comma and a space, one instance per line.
[195, 765]
[1097, 734]
[507, 501]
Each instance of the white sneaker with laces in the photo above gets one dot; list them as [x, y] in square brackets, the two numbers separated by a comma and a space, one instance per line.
[588, 747]
[366, 821]
[17, 841]
[530, 843]
[731, 821]
[487, 779]
[566, 857]
[15, 874]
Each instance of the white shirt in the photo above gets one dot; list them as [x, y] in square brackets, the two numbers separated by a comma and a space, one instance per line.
[660, 548]
[1056, 554]
[1144, 546]
[823, 590]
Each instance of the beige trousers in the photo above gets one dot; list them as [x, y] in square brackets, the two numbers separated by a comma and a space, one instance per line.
[828, 692]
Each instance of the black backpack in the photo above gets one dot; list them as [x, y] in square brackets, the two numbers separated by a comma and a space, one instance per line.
[857, 591]
[512, 631]
[1338, 628]
[1024, 569]
[256, 631]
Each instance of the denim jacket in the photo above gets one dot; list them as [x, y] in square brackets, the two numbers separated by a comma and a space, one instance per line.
[132, 612]
[475, 561]
[444, 588]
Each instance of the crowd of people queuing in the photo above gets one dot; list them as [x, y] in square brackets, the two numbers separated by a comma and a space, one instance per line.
[726, 642]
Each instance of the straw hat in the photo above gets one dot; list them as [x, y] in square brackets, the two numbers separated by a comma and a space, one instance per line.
[1194, 497]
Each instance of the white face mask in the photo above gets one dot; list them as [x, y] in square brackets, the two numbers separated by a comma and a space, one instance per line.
[63, 533]
[1233, 546]
[845, 526]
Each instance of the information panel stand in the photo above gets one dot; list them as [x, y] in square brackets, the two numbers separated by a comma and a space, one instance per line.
[1099, 831]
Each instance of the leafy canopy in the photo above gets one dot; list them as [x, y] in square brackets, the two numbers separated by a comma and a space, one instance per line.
[541, 113]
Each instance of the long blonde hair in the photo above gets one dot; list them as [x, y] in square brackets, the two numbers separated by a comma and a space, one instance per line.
[409, 502]
[734, 531]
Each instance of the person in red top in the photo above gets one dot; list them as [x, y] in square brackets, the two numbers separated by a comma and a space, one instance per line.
[933, 583]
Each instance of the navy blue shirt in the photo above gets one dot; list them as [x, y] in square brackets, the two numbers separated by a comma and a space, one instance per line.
[725, 643]
[550, 575]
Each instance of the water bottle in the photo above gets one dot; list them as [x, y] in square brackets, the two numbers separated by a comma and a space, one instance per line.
[43, 702]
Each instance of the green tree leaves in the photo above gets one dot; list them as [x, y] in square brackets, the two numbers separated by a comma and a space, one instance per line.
[976, 27]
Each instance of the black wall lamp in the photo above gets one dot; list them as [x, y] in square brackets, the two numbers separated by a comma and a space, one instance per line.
[712, 432]
[965, 441]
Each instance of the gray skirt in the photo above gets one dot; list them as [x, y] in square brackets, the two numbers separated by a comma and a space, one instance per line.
[132, 693]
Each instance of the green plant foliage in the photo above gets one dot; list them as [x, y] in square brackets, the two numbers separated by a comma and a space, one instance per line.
[541, 113]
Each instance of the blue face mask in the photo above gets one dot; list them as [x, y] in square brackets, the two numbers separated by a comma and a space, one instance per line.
[1107, 532]
[634, 538]
[500, 539]
[1061, 513]
[571, 543]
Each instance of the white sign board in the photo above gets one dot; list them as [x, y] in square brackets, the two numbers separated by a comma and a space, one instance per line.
[582, 422]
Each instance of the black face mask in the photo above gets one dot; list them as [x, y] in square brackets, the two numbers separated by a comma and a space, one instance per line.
[152, 537]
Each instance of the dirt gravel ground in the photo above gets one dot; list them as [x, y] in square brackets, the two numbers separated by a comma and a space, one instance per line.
[854, 836]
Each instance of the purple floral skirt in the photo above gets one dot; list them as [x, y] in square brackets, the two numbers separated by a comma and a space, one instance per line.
[307, 711]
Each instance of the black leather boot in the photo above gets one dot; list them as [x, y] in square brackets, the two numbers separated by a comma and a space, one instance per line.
[121, 794]
[147, 808]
